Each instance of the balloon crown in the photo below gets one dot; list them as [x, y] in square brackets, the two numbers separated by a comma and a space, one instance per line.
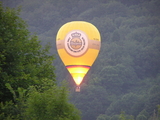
[75, 34]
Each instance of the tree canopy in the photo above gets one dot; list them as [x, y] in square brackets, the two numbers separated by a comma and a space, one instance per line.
[23, 61]
[28, 88]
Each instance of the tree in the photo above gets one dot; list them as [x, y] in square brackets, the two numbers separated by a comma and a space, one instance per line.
[49, 102]
[27, 79]
[127, 67]
[123, 116]
[23, 62]
[46, 101]
[143, 115]
[103, 117]
[90, 96]
[14, 109]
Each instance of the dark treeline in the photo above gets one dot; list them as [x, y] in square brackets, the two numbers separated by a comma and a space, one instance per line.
[124, 82]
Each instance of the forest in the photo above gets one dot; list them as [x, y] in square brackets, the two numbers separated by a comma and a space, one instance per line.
[124, 81]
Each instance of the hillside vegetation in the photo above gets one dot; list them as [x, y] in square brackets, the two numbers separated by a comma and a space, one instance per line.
[124, 82]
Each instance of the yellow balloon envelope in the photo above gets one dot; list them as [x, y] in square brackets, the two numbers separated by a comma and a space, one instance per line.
[78, 44]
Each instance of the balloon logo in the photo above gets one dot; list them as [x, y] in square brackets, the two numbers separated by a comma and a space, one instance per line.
[78, 44]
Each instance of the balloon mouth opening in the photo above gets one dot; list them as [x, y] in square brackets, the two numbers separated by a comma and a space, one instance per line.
[78, 78]
[78, 72]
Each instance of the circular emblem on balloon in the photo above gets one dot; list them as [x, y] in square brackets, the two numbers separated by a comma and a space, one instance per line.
[76, 43]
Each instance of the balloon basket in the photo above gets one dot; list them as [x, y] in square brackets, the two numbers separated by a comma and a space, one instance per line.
[78, 89]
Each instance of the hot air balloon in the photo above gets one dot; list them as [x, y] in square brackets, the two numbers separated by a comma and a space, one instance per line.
[78, 44]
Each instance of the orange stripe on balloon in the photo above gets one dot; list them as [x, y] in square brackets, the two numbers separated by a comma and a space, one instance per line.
[78, 66]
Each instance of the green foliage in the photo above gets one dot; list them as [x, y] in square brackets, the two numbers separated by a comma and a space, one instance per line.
[23, 61]
[14, 109]
[8, 111]
[123, 116]
[50, 103]
[115, 117]
[126, 74]
[40, 102]
[90, 96]
[156, 115]
[143, 115]
[103, 117]
[25, 65]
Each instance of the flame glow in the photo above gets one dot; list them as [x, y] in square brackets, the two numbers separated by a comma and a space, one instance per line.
[78, 72]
